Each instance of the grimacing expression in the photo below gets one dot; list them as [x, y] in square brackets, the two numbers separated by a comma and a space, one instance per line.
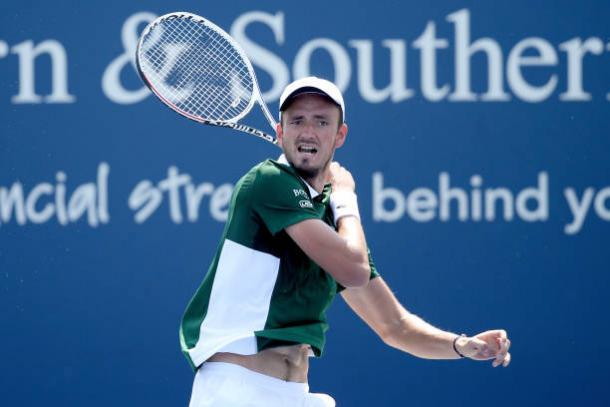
[309, 133]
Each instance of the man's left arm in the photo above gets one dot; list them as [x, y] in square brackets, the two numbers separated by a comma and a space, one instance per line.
[378, 307]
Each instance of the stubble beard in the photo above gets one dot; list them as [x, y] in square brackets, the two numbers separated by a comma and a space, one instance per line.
[311, 174]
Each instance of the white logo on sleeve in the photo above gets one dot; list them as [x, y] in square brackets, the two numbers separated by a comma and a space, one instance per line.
[305, 203]
[300, 192]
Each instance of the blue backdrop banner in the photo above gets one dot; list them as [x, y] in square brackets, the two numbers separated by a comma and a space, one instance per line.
[479, 140]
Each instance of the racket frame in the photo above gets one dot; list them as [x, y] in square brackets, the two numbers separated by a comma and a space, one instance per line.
[256, 93]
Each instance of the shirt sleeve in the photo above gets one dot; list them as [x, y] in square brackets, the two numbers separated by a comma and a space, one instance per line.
[374, 272]
[280, 199]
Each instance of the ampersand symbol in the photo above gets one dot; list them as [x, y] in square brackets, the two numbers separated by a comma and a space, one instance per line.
[111, 80]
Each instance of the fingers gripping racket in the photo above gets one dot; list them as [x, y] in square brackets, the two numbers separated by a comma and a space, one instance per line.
[200, 71]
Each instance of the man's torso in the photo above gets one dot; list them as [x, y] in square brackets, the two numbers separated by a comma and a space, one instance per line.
[263, 295]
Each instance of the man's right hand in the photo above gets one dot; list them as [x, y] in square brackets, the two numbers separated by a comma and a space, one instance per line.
[340, 178]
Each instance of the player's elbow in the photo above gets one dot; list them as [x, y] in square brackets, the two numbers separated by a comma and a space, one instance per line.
[392, 338]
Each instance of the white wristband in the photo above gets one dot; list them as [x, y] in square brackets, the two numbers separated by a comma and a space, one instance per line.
[344, 203]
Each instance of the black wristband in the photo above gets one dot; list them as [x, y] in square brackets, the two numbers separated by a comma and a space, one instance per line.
[455, 347]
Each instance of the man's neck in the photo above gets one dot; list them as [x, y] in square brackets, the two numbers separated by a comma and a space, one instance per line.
[316, 182]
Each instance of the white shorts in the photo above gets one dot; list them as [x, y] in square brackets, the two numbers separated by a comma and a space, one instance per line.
[219, 384]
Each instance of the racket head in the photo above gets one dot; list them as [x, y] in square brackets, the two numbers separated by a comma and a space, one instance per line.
[197, 69]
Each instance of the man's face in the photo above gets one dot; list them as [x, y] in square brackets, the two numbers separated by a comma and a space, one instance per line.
[310, 133]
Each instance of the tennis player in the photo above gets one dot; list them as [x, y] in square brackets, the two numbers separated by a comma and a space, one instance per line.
[292, 241]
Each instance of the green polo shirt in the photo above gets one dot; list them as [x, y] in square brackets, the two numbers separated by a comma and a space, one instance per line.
[261, 290]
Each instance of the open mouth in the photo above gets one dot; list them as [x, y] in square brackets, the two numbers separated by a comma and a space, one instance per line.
[307, 149]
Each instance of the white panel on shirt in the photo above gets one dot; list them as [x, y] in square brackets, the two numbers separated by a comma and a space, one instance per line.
[239, 301]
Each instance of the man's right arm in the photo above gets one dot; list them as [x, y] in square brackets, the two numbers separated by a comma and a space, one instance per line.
[342, 253]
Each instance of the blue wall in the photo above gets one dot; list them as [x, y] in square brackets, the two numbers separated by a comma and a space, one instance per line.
[92, 287]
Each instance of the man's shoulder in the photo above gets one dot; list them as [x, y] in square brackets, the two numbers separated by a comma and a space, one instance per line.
[273, 167]
[271, 172]
[269, 180]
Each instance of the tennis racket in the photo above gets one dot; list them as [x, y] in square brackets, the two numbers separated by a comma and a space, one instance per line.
[200, 71]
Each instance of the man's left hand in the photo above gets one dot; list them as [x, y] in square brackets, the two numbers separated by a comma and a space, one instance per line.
[487, 345]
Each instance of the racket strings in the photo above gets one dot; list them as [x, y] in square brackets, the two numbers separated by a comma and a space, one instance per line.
[216, 62]
[238, 92]
[206, 99]
[196, 69]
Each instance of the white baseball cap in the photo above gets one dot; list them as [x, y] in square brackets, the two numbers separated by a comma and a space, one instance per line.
[315, 85]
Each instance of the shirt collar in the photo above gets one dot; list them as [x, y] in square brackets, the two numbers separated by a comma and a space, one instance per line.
[312, 192]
